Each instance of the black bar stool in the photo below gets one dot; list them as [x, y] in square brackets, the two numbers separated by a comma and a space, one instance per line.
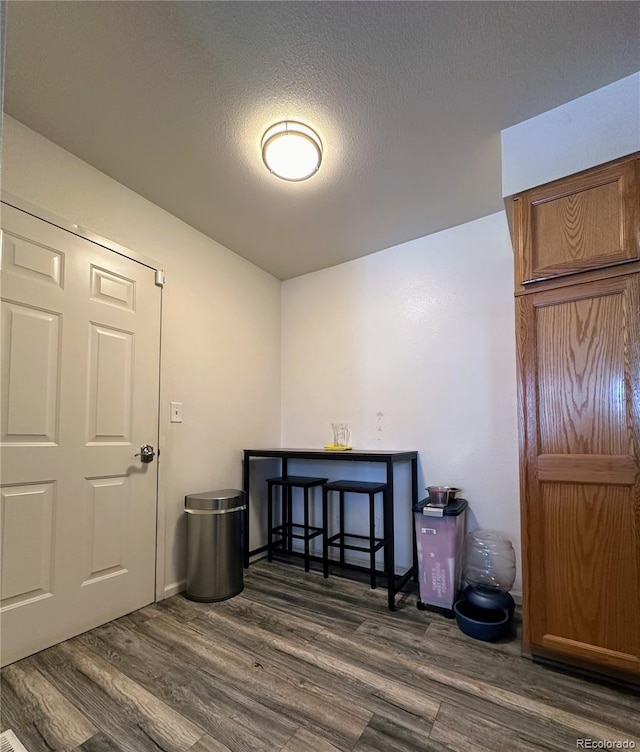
[338, 540]
[287, 527]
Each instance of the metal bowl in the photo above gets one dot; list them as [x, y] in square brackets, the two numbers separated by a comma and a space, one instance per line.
[440, 496]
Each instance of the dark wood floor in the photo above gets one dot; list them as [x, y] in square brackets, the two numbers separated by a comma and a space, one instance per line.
[300, 664]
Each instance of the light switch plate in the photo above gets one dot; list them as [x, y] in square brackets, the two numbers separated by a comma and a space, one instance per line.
[176, 412]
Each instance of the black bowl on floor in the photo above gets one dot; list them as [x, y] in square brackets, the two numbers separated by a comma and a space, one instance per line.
[481, 623]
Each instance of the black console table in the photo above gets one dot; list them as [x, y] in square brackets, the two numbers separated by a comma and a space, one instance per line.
[388, 458]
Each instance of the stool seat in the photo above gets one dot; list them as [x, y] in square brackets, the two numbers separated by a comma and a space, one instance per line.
[297, 481]
[355, 486]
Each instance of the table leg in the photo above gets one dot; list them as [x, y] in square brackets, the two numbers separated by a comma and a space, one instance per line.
[245, 487]
[414, 500]
[286, 506]
[390, 536]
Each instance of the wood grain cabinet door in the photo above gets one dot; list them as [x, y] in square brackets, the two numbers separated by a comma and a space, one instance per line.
[579, 353]
[586, 221]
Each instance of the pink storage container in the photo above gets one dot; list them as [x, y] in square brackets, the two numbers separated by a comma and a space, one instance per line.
[440, 542]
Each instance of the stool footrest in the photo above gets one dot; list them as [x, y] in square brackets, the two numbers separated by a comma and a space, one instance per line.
[338, 541]
[287, 529]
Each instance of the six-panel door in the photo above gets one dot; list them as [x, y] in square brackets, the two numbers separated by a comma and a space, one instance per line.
[80, 375]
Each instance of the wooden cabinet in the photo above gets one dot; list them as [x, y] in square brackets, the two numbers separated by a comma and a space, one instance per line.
[587, 221]
[579, 400]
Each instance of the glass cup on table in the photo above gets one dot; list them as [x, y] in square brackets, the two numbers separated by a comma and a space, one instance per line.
[341, 434]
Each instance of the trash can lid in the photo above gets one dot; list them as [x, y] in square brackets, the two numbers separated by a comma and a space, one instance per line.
[227, 498]
[452, 509]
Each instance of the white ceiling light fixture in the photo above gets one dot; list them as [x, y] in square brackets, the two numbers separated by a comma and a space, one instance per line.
[291, 150]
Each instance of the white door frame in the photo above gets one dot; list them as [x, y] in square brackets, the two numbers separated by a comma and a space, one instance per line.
[109, 245]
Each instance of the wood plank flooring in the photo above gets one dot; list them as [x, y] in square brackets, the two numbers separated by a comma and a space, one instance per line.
[297, 663]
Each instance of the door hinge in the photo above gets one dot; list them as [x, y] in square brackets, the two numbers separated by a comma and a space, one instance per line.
[160, 278]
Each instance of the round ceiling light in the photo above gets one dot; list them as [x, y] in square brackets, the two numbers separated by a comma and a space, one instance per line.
[291, 150]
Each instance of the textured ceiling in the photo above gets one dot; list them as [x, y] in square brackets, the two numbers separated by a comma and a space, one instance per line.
[171, 99]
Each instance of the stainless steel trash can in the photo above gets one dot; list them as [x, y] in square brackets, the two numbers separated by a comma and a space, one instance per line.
[214, 544]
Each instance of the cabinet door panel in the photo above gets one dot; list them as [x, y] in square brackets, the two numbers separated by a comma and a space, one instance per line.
[586, 221]
[581, 376]
[588, 563]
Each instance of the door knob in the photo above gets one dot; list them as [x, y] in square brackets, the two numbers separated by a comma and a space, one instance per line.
[146, 453]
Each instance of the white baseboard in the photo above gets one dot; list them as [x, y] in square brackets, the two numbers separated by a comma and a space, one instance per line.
[355, 558]
[174, 589]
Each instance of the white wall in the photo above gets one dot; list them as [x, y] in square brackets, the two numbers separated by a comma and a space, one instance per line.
[586, 132]
[220, 328]
[415, 348]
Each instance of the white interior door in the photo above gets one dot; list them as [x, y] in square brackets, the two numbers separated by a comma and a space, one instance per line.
[80, 378]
